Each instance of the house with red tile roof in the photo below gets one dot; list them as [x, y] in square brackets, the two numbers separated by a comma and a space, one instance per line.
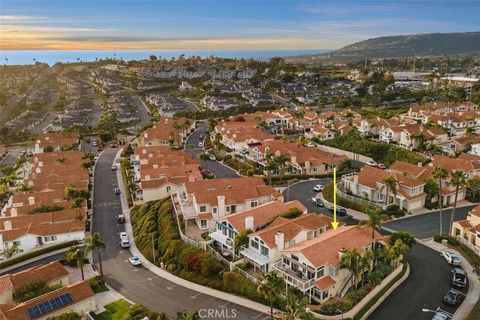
[52, 273]
[313, 266]
[468, 230]
[164, 132]
[78, 297]
[253, 219]
[55, 141]
[206, 200]
[264, 246]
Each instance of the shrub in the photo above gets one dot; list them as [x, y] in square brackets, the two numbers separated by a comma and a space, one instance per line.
[330, 309]
[97, 285]
[292, 213]
[357, 295]
[209, 266]
[193, 262]
[66, 316]
[445, 236]
[32, 290]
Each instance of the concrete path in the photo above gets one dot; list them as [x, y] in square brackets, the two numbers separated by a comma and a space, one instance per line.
[474, 284]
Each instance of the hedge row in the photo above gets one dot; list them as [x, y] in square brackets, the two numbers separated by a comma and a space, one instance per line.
[36, 253]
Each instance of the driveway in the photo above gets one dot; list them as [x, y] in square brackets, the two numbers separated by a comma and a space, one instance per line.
[139, 284]
[426, 225]
[303, 192]
[428, 282]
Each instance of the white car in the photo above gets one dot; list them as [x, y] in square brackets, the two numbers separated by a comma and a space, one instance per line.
[212, 157]
[372, 163]
[135, 261]
[311, 145]
[114, 167]
[318, 188]
[200, 144]
[451, 258]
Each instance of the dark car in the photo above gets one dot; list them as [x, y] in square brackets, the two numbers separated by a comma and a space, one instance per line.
[207, 174]
[453, 297]
[317, 202]
[116, 191]
[121, 218]
[340, 211]
[459, 277]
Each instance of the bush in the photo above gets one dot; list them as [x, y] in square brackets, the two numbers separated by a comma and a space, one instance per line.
[209, 266]
[357, 295]
[445, 236]
[32, 290]
[394, 210]
[331, 309]
[66, 316]
[97, 285]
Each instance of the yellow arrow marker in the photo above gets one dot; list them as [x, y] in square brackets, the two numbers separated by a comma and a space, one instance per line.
[334, 223]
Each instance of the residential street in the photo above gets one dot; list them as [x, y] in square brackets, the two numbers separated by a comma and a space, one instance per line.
[139, 284]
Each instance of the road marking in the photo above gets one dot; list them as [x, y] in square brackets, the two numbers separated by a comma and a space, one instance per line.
[171, 287]
[259, 315]
[195, 296]
[225, 305]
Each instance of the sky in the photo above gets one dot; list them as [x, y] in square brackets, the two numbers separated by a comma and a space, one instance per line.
[222, 24]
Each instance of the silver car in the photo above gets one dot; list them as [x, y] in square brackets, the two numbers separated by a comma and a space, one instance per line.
[459, 277]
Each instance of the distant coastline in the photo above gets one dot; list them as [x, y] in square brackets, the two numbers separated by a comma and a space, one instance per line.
[18, 57]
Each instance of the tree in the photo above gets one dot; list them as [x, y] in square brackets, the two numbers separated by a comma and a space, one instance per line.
[295, 307]
[10, 251]
[431, 188]
[399, 249]
[351, 260]
[374, 220]
[281, 161]
[241, 239]
[440, 174]
[95, 243]
[391, 186]
[77, 255]
[184, 315]
[459, 180]
[269, 287]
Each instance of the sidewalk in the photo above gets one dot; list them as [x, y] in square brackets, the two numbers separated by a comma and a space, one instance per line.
[474, 284]
[423, 210]
[170, 277]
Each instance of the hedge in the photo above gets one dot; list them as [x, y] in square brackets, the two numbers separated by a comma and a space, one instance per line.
[36, 253]
[374, 300]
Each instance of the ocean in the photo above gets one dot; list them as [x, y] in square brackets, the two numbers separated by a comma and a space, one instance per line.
[16, 57]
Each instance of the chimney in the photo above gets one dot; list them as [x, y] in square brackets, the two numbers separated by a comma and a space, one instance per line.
[280, 240]
[7, 225]
[341, 252]
[31, 200]
[13, 212]
[40, 163]
[144, 151]
[419, 164]
[38, 170]
[249, 223]
[150, 155]
[155, 166]
[221, 206]
[145, 135]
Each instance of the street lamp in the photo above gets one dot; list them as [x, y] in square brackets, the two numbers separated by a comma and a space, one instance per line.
[153, 245]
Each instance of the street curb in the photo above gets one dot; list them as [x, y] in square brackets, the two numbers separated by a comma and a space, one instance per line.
[40, 257]
[433, 211]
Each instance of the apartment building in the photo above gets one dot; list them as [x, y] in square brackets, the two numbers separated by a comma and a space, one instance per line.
[313, 266]
[54, 141]
[166, 131]
[264, 245]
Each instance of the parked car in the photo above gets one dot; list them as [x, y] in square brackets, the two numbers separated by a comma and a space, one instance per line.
[342, 212]
[453, 297]
[310, 145]
[317, 202]
[124, 240]
[372, 163]
[200, 144]
[318, 188]
[121, 218]
[135, 261]
[114, 167]
[116, 191]
[441, 314]
[207, 174]
[459, 277]
[201, 137]
[451, 258]
[381, 166]
[212, 157]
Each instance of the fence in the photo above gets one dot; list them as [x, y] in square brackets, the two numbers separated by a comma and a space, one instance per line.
[348, 197]
[247, 275]
[186, 239]
[219, 257]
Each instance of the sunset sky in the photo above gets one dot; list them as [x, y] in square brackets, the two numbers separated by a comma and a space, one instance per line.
[248, 24]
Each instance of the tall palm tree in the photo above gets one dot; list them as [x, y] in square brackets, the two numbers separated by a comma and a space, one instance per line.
[391, 186]
[440, 174]
[78, 255]
[374, 220]
[295, 307]
[350, 260]
[458, 180]
[95, 243]
[281, 161]
[399, 249]
[269, 287]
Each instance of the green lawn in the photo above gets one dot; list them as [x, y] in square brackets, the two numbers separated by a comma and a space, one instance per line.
[115, 311]
[475, 314]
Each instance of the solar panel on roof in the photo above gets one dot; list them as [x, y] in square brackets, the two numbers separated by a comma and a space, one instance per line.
[50, 305]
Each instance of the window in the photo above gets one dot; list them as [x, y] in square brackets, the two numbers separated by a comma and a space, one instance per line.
[264, 251]
[168, 188]
[294, 257]
[333, 271]
[203, 208]
[17, 243]
[50, 238]
[254, 204]
[214, 210]
[324, 294]
[286, 261]
[254, 244]
[203, 223]
[320, 272]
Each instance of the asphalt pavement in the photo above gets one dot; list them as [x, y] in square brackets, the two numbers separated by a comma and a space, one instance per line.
[137, 283]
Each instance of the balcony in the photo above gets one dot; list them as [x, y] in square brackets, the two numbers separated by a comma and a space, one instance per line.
[255, 256]
[294, 278]
[187, 209]
[221, 238]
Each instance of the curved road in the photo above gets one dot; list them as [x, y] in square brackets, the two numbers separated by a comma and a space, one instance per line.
[139, 284]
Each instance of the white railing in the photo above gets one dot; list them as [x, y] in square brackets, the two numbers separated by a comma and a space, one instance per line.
[218, 256]
[247, 275]
[186, 239]
[471, 246]
[289, 276]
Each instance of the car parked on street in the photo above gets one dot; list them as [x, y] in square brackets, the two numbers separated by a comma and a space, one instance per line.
[451, 258]
[114, 167]
[459, 277]
[381, 166]
[453, 297]
[121, 218]
[318, 188]
[200, 144]
[342, 212]
[116, 191]
[135, 261]
[317, 202]
[372, 163]
[441, 314]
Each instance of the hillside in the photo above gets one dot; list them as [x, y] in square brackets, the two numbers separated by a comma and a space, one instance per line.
[432, 44]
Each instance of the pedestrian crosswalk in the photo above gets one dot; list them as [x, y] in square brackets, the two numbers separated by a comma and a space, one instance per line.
[107, 204]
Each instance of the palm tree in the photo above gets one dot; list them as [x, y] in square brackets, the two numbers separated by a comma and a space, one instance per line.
[440, 174]
[95, 243]
[374, 220]
[269, 287]
[391, 186]
[350, 260]
[295, 307]
[281, 161]
[184, 315]
[78, 255]
[399, 249]
[458, 180]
